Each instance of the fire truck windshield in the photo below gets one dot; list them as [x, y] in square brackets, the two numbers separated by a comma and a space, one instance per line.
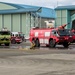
[64, 32]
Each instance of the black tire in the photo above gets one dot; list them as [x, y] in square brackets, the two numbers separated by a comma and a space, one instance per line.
[7, 44]
[37, 44]
[52, 43]
[13, 41]
[18, 42]
[65, 45]
[47, 45]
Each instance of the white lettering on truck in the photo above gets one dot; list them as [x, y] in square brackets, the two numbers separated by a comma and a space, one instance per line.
[36, 34]
[47, 34]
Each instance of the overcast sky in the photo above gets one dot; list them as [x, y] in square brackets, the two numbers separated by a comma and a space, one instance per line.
[43, 3]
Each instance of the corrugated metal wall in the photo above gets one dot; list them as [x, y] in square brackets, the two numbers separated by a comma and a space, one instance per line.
[0, 21]
[6, 21]
[17, 22]
[61, 17]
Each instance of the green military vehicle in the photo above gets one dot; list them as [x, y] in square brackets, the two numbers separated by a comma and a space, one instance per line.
[5, 37]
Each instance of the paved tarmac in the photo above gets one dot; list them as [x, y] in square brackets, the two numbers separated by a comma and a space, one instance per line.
[43, 61]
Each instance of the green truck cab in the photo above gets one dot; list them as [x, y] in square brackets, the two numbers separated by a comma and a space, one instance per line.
[5, 37]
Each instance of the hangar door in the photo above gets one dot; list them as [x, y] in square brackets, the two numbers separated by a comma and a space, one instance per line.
[73, 21]
[73, 24]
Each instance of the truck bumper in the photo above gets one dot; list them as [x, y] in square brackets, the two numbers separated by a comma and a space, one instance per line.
[62, 40]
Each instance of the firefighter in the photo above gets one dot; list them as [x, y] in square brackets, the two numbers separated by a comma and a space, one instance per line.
[32, 45]
[62, 27]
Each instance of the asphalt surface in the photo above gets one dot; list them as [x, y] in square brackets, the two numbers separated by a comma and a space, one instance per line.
[18, 59]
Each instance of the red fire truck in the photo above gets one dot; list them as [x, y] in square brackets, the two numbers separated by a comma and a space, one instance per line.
[16, 37]
[51, 36]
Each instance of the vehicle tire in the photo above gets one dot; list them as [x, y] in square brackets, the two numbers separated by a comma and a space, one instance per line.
[7, 44]
[52, 43]
[37, 44]
[65, 44]
[0, 44]
[47, 45]
[13, 41]
[18, 42]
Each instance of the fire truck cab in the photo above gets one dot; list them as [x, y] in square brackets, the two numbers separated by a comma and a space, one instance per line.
[5, 36]
[50, 37]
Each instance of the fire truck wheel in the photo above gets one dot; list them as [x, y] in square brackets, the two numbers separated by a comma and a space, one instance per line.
[52, 44]
[13, 41]
[37, 44]
[65, 45]
[47, 45]
[18, 42]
